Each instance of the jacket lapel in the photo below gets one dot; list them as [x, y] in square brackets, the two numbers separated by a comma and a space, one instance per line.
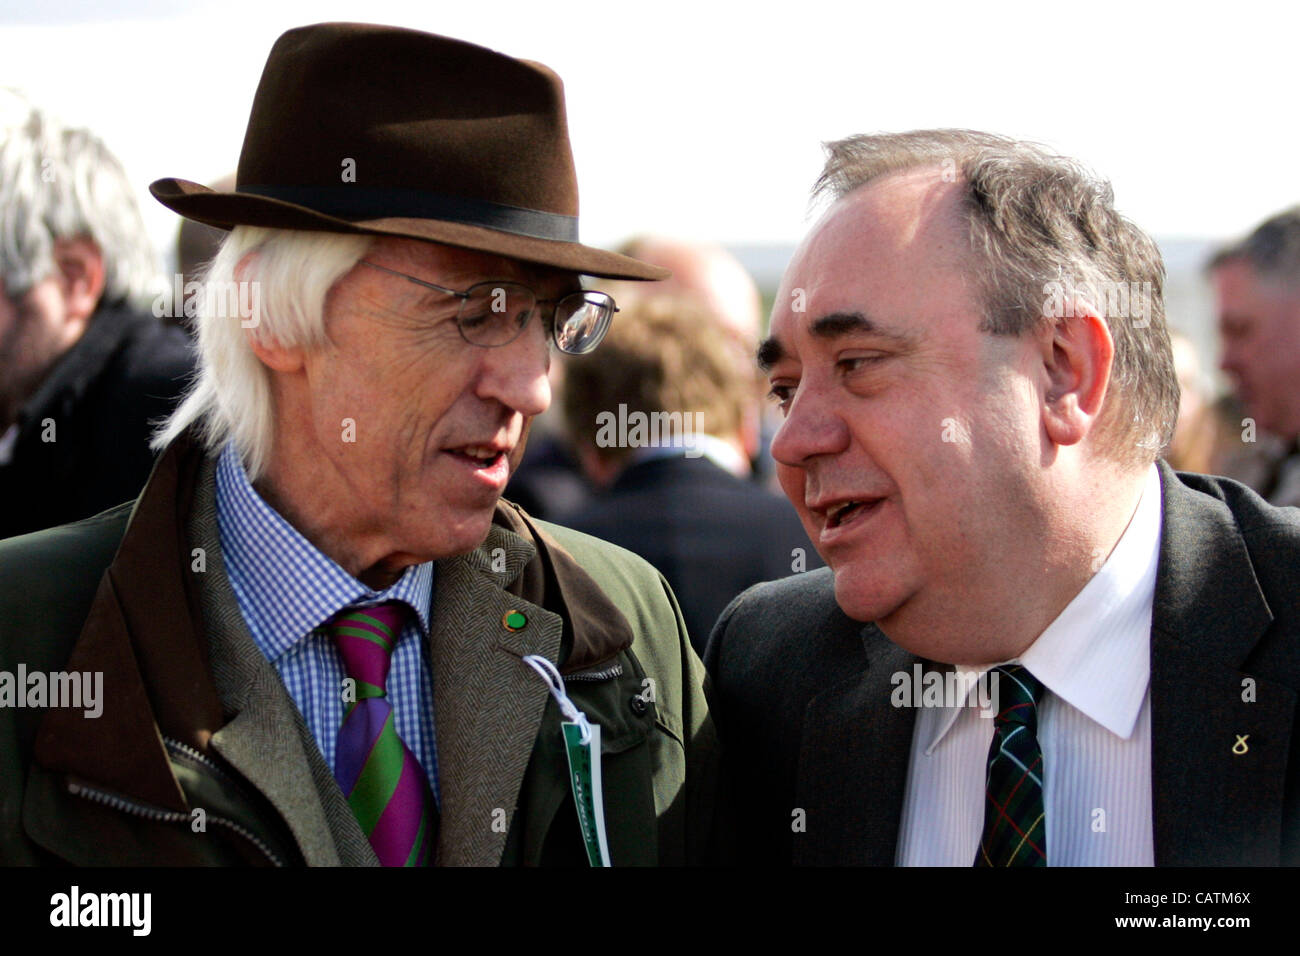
[267, 740]
[853, 763]
[1208, 799]
[488, 704]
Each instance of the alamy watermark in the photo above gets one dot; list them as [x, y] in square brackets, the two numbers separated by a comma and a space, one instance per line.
[945, 688]
[82, 690]
[76, 908]
[223, 300]
[1114, 300]
[654, 430]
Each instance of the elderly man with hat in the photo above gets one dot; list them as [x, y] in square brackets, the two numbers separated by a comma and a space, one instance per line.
[319, 636]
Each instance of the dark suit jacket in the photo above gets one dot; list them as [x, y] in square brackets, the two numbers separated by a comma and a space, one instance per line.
[709, 533]
[801, 697]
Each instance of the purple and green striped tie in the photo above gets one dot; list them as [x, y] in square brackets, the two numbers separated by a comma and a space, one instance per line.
[385, 785]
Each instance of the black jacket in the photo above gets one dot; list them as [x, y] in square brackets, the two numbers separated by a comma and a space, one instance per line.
[97, 403]
[709, 533]
[801, 697]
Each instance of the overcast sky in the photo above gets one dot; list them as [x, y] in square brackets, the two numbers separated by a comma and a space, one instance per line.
[704, 119]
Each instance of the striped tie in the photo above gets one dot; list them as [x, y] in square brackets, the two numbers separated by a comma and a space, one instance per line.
[384, 784]
[1015, 829]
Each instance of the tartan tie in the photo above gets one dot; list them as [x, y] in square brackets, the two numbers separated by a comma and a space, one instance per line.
[1015, 831]
[385, 785]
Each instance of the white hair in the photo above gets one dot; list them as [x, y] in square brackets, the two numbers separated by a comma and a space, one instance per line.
[289, 273]
[59, 182]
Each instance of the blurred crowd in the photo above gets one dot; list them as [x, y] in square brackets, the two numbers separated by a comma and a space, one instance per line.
[658, 441]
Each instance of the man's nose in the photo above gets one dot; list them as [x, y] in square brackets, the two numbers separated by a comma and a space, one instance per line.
[516, 374]
[813, 426]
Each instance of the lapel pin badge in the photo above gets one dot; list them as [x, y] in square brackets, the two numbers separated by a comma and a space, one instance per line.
[514, 621]
[1240, 747]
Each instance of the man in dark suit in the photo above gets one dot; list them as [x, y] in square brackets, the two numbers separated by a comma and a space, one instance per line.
[678, 496]
[971, 355]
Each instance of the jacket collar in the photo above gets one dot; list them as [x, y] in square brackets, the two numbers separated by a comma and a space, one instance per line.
[144, 632]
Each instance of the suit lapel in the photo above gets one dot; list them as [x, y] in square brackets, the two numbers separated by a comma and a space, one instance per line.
[1215, 801]
[267, 740]
[853, 763]
[488, 704]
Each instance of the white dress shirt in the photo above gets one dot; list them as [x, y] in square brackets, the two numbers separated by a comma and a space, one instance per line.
[1094, 727]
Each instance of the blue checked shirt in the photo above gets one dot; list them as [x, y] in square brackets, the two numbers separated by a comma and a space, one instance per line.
[287, 590]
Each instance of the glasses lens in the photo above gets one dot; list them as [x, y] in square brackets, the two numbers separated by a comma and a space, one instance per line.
[495, 313]
[581, 321]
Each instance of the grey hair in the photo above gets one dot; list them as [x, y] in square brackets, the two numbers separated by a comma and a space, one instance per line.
[1273, 250]
[280, 291]
[60, 182]
[1037, 220]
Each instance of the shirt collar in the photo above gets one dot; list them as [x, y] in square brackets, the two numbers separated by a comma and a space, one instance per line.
[1096, 654]
[721, 453]
[282, 581]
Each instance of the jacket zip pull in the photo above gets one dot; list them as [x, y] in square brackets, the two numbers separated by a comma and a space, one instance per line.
[582, 747]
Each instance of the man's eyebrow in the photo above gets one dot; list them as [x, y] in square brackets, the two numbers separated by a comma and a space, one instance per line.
[836, 324]
[770, 351]
[832, 326]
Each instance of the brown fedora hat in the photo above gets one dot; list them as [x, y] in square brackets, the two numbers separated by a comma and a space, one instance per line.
[391, 132]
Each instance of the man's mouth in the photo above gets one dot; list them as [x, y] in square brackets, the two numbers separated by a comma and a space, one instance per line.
[846, 511]
[482, 456]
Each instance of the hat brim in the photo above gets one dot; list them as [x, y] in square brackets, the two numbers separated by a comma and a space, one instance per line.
[225, 210]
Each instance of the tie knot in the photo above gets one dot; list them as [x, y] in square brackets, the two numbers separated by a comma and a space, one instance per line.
[365, 637]
[1018, 695]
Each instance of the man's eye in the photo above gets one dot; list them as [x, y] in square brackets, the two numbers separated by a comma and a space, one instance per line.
[473, 318]
[856, 362]
[781, 395]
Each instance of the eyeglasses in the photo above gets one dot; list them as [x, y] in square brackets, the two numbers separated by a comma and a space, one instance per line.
[494, 313]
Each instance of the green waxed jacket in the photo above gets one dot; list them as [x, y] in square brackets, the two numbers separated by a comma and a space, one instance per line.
[199, 756]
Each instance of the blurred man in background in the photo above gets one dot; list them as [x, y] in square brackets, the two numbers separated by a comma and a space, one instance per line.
[550, 483]
[1257, 287]
[678, 494]
[84, 367]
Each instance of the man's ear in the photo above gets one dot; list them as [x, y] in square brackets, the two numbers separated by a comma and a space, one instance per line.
[1077, 359]
[79, 267]
[277, 357]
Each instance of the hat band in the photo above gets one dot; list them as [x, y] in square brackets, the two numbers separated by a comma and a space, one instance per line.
[371, 202]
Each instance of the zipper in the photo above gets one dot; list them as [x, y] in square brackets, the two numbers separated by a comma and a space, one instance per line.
[158, 814]
[608, 673]
[185, 750]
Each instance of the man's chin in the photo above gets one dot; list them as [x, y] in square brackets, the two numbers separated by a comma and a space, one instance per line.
[467, 533]
[862, 597]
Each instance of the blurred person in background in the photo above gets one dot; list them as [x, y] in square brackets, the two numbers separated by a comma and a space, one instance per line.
[679, 495]
[1257, 290]
[84, 367]
[1189, 448]
[716, 279]
[550, 482]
